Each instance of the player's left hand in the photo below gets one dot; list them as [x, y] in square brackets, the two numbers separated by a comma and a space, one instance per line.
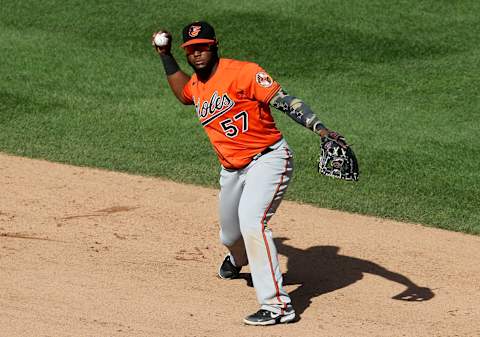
[333, 135]
[337, 158]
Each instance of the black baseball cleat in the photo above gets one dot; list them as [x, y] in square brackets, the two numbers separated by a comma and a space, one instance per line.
[266, 317]
[227, 270]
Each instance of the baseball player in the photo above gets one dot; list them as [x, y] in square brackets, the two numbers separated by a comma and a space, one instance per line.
[232, 101]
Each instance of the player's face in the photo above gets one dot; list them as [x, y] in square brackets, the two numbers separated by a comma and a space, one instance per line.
[200, 56]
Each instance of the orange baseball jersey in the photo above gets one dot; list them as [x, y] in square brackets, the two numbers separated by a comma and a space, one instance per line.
[233, 108]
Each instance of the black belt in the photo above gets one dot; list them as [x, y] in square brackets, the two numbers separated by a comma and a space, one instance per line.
[255, 157]
[258, 155]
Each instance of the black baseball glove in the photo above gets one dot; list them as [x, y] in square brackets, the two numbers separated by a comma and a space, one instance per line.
[337, 158]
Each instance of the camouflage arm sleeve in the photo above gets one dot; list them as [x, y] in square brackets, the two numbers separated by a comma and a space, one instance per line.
[298, 111]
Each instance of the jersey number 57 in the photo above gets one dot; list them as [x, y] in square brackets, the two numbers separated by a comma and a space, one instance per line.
[232, 127]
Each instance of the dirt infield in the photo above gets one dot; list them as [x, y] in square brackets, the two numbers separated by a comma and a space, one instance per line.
[93, 253]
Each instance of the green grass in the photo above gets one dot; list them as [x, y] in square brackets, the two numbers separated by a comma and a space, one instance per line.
[80, 84]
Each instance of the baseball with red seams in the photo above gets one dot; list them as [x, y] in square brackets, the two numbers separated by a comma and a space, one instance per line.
[161, 39]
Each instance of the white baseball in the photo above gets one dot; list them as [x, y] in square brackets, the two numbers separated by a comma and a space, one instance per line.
[161, 39]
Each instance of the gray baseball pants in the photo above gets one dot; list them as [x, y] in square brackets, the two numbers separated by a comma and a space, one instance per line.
[248, 199]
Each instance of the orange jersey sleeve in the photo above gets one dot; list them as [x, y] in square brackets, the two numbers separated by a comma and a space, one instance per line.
[257, 83]
[187, 94]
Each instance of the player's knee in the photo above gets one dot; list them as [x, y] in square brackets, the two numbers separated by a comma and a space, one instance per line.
[228, 239]
[252, 229]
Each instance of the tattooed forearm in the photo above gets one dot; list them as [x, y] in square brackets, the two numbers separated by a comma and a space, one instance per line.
[298, 110]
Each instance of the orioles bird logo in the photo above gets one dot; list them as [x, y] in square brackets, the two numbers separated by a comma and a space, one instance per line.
[264, 79]
[194, 31]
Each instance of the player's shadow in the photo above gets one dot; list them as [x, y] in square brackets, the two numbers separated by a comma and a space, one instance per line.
[321, 269]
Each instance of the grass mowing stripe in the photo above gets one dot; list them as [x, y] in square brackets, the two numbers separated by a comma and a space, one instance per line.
[80, 84]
